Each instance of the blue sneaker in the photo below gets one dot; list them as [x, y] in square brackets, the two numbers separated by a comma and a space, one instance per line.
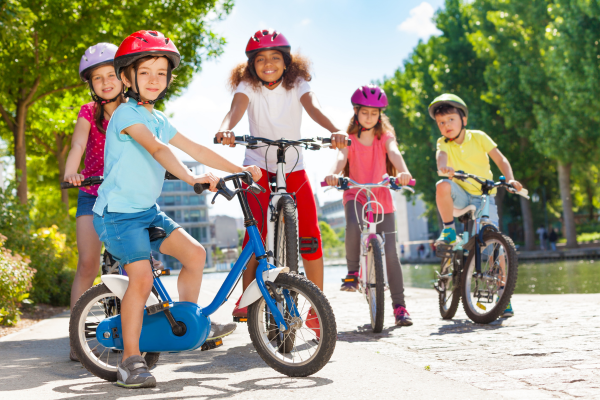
[448, 237]
[508, 312]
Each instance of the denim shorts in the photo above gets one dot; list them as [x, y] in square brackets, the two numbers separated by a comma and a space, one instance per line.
[125, 235]
[85, 203]
[462, 199]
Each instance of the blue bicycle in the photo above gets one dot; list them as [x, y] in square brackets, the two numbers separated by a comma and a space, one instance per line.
[279, 304]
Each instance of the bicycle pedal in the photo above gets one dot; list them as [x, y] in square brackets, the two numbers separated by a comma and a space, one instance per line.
[240, 319]
[211, 344]
[443, 251]
[153, 309]
[308, 245]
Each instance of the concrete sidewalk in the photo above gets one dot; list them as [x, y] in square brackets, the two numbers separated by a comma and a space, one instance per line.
[466, 361]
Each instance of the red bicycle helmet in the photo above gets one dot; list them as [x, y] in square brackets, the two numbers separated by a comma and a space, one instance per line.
[141, 44]
[264, 39]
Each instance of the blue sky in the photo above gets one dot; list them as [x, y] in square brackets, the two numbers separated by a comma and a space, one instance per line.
[350, 43]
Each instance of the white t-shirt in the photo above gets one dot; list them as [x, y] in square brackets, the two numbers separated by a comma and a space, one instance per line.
[274, 114]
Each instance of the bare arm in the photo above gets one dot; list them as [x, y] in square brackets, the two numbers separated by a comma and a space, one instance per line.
[340, 164]
[239, 105]
[404, 176]
[313, 109]
[442, 164]
[505, 168]
[210, 158]
[78, 143]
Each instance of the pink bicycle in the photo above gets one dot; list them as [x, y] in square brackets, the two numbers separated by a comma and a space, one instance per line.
[371, 277]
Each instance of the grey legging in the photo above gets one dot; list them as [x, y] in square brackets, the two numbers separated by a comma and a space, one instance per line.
[387, 228]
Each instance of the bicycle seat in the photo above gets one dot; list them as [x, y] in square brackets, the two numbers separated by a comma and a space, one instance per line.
[156, 233]
[458, 212]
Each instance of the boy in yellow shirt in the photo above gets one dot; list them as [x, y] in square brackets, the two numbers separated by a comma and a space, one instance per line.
[461, 149]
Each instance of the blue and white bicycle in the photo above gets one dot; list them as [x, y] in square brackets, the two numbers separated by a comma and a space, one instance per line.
[482, 266]
[279, 303]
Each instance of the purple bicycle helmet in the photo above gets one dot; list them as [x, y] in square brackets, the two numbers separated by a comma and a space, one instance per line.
[369, 96]
[95, 56]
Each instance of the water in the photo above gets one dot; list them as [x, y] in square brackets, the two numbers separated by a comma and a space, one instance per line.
[572, 276]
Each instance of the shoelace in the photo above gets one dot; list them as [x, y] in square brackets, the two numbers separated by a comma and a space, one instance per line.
[400, 312]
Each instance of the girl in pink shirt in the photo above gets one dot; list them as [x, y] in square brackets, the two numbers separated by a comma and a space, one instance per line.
[374, 152]
[96, 68]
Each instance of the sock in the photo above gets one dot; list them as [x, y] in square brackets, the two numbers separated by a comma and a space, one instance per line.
[500, 291]
[449, 225]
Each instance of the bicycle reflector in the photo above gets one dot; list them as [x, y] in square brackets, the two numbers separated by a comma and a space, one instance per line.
[308, 245]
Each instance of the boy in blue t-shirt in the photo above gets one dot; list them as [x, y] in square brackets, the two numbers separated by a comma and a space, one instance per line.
[136, 155]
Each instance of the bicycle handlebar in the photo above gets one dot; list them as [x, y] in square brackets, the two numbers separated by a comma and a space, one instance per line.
[308, 143]
[343, 184]
[97, 180]
[490, 184]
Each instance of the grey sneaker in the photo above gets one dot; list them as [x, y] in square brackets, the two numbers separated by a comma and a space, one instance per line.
[218, 330]
[133, 373]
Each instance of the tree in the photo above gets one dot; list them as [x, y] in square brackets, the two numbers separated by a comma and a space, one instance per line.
[42, 43]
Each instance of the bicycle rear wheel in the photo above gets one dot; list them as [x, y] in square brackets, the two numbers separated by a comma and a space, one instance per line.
[286, 235]
[484, 300]
[375, 285]
[448, 288]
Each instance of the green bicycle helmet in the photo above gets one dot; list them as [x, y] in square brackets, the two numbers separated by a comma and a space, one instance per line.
[450, 100]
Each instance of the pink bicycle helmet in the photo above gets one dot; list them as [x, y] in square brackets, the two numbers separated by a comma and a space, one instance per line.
[369, 96]
[95, 56]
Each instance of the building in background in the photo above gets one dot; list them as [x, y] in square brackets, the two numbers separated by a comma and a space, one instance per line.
[333, 213]
[411, 225]
[179, 201]
[224, 231]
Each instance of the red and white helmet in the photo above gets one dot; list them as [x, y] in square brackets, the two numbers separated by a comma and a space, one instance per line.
[141, 44]
[267, 40]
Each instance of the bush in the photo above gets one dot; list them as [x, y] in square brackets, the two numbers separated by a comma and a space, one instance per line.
[15, 283]
[46, 247]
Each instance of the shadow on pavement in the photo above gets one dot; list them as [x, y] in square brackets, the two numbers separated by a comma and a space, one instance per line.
[466, 326]
[365, 334]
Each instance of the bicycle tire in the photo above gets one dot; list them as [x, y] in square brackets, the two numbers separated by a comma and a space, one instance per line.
[285, 342]
[447, 311]
[375, 290]
[509, 286]
[324, 347]
[77, 337]
[285, 252]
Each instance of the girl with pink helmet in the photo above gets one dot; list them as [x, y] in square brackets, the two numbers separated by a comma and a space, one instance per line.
[95, 68]
[374, 152]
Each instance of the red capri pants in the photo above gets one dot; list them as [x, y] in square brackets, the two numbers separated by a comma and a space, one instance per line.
[308, 225]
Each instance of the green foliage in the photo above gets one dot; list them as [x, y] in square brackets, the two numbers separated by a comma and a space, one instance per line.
[328, 236]
[46, 248]
[15, 283]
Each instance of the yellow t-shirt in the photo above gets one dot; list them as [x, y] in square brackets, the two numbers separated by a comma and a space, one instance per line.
[470, 157]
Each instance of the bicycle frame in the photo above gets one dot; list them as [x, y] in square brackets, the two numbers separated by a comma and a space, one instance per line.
[369, 233]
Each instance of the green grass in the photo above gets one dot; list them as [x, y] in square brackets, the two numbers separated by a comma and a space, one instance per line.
[584, 237]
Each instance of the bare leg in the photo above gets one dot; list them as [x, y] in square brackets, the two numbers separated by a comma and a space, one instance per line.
[444, 201]
[89, 247]
[132, 306]
[192, 256]
[314, 271]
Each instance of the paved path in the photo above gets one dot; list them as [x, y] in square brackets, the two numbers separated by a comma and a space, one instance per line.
[548, 350]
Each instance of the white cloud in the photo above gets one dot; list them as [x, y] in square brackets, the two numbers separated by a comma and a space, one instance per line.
[305, 22]
[420, 22]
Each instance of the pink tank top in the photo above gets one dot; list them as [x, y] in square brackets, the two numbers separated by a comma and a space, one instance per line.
[94, 150]
[367, 165]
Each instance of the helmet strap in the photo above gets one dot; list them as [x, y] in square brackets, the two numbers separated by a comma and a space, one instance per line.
[462, 128]
[360, 127]
[136, 95]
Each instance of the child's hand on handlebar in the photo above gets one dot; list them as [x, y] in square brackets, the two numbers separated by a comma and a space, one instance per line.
[332, 180]
[517, 185]
[447, 170]
[339, 140]
[255, 171]
[209, 178]
[74, 179]
[226, 138]
[403, 178]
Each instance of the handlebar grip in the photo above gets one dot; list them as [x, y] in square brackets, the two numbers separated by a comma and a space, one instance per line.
[67, 185]
[201, 187]
[215, 141]
[412, 182]
[328, 141]
[324, 184]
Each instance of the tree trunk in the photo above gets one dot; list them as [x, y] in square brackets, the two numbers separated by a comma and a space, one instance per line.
[528, 231]
[499, 200]
[61, 157]
[21, 152]
[564, 183]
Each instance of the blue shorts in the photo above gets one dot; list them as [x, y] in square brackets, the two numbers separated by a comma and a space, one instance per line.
[85, 203]
[463, 199]
[125, 235]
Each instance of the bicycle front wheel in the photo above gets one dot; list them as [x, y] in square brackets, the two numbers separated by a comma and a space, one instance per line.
[375, 285]
[286, 235]
[487, 292]
[308, 344]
